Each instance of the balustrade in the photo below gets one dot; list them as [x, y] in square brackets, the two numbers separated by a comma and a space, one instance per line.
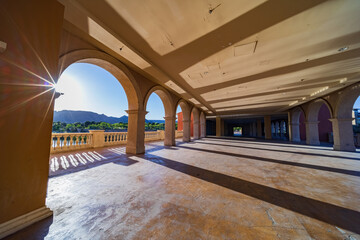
[62, 142]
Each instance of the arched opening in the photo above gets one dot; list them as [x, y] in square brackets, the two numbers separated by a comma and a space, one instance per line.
[318, 125]
[297, 126]
[342, 122]
[91, 113]
[134, 139]
[183, 120]
[160, 123]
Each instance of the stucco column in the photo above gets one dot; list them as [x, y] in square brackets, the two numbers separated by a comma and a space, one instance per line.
[343, 134]
[294, 132]
[136, 132]
[267, 127]
[196, 130]
[312, 133]
[219, 126]
[259, 129]
[203, 129]
[169, 131]
[186, 130]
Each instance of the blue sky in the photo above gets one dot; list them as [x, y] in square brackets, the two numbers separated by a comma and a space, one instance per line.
[88, 87]
[91, 88]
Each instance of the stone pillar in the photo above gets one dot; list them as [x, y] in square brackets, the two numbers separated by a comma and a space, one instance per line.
[98, 138]
[294, 132]
[218, 127]
[136, 132]
[203, 128]
[259, 128]
[312, 133]
[196, 129]
[267, 127]
[343, 134]
[169, 131]
[186, 130]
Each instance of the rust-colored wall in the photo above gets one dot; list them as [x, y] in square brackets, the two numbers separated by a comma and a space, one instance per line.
[180, 123]
[325, 126]
[32, 31]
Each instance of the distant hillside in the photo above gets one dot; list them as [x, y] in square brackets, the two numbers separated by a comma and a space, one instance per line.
[69, 116]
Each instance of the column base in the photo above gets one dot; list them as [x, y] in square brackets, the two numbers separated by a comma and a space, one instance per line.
[344, 148]
[23, 221]
[133, 150]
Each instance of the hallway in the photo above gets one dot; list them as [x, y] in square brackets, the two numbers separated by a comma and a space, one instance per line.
[208, 189]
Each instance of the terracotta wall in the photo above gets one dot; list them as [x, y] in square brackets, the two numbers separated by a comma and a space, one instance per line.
[324, 126]
[180, 123]
[32, 31]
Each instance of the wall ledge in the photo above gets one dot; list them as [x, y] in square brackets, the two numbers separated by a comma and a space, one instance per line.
[23, 221]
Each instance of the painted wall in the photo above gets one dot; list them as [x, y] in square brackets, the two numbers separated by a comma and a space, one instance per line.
[180, 123]
[32, 31]
[324, 127]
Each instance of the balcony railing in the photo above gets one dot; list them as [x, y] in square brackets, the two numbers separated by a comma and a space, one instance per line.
[63, 142]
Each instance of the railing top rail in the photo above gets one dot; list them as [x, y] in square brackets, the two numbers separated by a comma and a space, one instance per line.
[59, 134]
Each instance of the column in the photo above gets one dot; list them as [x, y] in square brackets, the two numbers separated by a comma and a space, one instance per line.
[186, 130]
[218, 126]
[312, 133]
[343, 134]
[169, 131]
[267, 127]
[259, 129]
[294, 133]
[196, 129]
[136, 132]
[203, 128]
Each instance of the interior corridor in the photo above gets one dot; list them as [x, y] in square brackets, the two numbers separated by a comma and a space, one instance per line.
[213, 188]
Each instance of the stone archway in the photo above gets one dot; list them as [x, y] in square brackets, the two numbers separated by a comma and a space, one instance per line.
[312, 121]
[169, 113]
[185, 108]
[136, 120]
[294, 125]
[342, 120]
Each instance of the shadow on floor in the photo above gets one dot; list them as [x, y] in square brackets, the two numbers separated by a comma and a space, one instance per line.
[260, 141]
[276, 150]
[335, 215]
[263, 159]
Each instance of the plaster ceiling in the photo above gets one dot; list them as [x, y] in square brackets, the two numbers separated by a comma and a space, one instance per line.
[230, 56]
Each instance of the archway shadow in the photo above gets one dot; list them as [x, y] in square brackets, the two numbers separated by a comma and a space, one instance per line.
[326, 212]
[276, 150]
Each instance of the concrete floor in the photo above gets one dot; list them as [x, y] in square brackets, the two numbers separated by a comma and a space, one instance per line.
[207, 189]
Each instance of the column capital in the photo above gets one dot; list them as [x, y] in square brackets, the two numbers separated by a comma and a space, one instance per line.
[169, 118]
[137, 111]
[341, 119]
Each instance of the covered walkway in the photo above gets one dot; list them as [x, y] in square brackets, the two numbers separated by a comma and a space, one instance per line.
[207, 189]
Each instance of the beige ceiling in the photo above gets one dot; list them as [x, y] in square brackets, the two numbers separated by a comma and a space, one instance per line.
[230, 56]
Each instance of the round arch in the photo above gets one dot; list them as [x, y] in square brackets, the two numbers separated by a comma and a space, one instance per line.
[185, 108]
[294, 126]
[165, 98]
[314, 108]
[107, 62]
[345, 102]
[295, 115]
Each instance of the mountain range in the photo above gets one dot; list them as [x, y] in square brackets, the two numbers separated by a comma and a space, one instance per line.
[70, 116]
